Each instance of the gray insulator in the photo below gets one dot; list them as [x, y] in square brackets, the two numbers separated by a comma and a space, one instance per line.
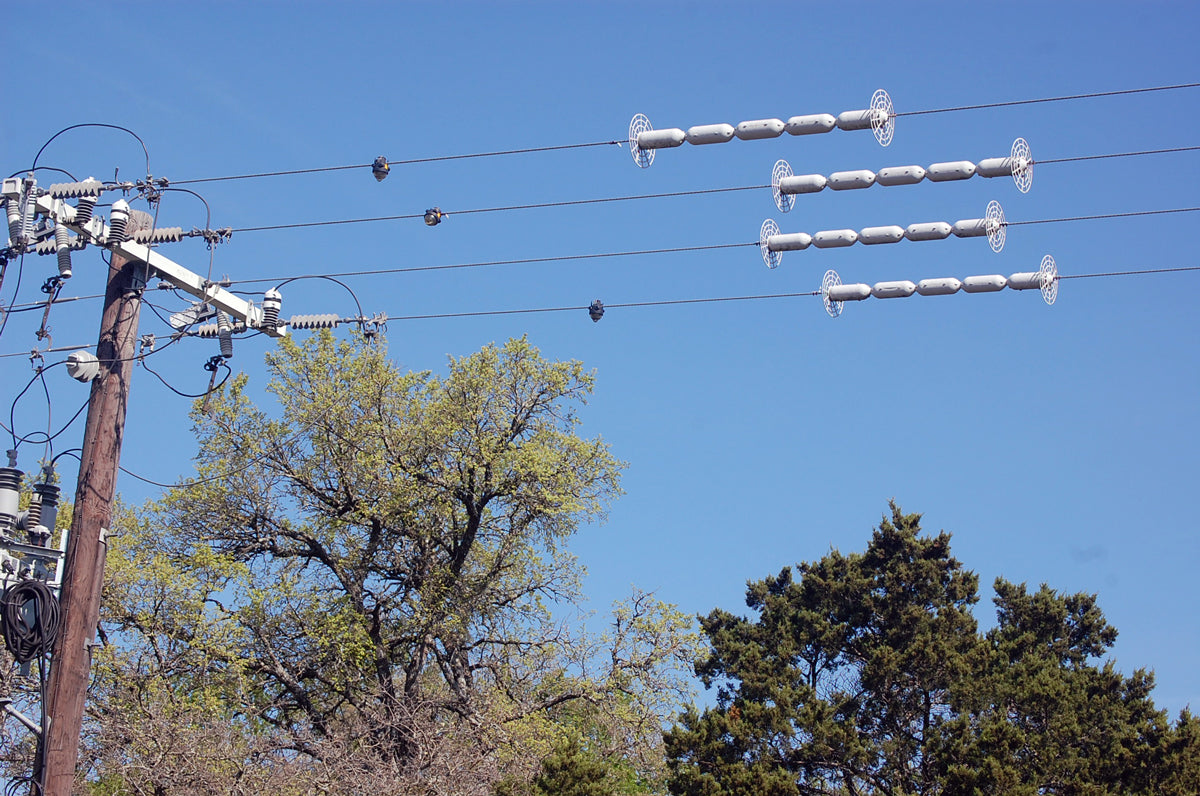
[873, 235]
[988, 283]
[850, 180]
[29, 213]
[62, 242]
[970, 228]
[160, 235]
[1027, 280]
[48, 514]
[811, 124]
[10, 494]
[791, 242]
[956, 170]
[70, 190]
[929, 230]
[225, 335]
[83, 366]
[852, 292]
[994, 167]
[710, 134]
[942, 286]
[900, 175]
[661, 139]
[898, 289]
[325, 321]
[272, 302]
[118, 219]
[803, 183]
[835, 238]
[84, 208]
[855, 120]
[758, 129]
[12, 208]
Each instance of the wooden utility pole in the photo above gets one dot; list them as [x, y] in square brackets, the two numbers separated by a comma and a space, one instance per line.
[71, 661]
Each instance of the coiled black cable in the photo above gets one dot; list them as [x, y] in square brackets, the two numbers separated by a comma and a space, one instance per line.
[29, 619]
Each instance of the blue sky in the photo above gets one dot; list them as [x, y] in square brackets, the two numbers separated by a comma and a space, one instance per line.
[1058, 444]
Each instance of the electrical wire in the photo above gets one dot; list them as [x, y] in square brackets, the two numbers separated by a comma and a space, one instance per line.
[1048, 99]
[92, 124]
[1132, 273]
[390, 163]
[1118, 155]
[181, 394]
[353, 295]
[1130, 214]
[29, 617]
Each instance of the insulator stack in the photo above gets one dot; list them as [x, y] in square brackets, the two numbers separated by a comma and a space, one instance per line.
[160, 235]
[1018, 165]
[209, 330]
[50, 245]
[772, 243]
[71, 190]
[1044, 279]
[62, 243]
[84, 208]
[29, 210]
[272, 302]
[117, 221]
[12, 208]
[10, 494]
[644, 139]
[225, 334]
[325, 321]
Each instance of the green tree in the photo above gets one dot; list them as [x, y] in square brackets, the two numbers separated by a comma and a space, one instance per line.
[373, 576]
[866, 674]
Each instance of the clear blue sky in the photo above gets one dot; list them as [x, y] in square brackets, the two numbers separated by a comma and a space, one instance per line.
[1057, 444]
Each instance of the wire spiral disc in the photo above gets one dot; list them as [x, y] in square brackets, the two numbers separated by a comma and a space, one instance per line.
[784, 201]
[1048, 279]
[770, 259]
[1022, 165]
[831, 279]
[883, 117]
[995, 225]
[640, 124]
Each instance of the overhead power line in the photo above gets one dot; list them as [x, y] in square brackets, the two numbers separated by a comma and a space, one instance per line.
[1065, 98]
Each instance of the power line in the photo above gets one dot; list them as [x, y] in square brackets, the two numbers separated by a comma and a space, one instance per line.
[390, 163]
[1130, 214]
[1131, 273]
[1048, 99]
[1118, 155]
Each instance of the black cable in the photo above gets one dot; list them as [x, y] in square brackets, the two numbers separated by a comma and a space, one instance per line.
[16, 292]
[524, 261]
[92, 124]
[331, 279]
[205, 394]
[1118, 155]
[37, 305]
[1048, 99]
[23, 601]
[46, 168]
[395, 162]
[1131, 273]
[1130, 214]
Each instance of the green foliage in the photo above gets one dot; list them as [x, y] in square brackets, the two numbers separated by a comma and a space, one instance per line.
[374, 572]
[865, 673]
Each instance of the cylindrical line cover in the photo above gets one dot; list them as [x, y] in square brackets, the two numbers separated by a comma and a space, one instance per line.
[930, 230]
[759, 128]
[942, 286]
[710, 134]
[849, 180]
[956, 170]
[802, 183]
[855, 120]
[1026, 280]
[898, 289]
[854, 292]
[994, 167]
[988, 283]
[873, 235]
[661, 139]
[791, 242]
[811, 124]
[900, 175]
[834, 238]
[970, 228]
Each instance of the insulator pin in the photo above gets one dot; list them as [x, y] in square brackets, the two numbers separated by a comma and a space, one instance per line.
[272, 302]
[225, 335]
[83, 210]
[710, 134]
[661, 139]
[117, 221]
[759, 129]
[325, 321]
